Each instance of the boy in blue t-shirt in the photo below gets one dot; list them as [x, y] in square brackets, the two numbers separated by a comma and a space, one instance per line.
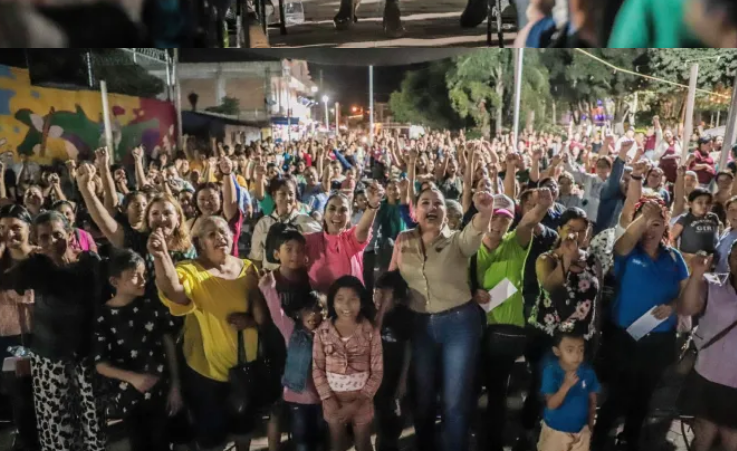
[570, 388]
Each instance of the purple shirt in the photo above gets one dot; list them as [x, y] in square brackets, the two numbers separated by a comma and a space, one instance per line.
[717, 363]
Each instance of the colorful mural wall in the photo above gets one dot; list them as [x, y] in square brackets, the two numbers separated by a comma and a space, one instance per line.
[46, 124]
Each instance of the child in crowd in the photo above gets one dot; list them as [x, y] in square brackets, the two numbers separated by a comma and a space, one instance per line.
[359, 206]
[570, 387]
[134, 348]
[455, 214]
[296, 315]
[698, 229]
[390, 295]
[347, 363]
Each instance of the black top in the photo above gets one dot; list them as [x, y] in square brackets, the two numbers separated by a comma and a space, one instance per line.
[292, 294]
[131, 337]
[65, 298]
[541, 243]
[699, 234]
[395, 334]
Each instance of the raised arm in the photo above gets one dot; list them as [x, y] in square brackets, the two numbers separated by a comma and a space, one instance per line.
[230, 200]
[634, 192]
[102, 162]
[627, 242]
[679, 191]
[533, 217]
[167, 280]
[693, 298]
[510, 176]
[140, 173]
[375, 195]
[109, 227]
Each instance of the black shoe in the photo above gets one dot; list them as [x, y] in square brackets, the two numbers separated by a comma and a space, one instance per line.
[392, 23]
[475, 13]
[346, 16]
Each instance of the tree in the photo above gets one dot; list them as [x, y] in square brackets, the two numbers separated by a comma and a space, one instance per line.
[579, 81]
[423, 98]
[480, 84]
[717, 69]
[229, 105]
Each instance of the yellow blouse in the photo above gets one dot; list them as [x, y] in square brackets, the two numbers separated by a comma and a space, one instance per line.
[210, 343]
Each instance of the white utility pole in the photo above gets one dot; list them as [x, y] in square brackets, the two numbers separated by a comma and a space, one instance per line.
[371, 104]
[688, 126]
[517, 93]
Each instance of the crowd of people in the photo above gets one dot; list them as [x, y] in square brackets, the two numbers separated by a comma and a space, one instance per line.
[377, 285]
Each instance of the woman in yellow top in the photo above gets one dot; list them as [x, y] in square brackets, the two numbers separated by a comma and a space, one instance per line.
[218, 295]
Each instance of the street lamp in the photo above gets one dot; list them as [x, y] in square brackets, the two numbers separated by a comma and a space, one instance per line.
[325, 100]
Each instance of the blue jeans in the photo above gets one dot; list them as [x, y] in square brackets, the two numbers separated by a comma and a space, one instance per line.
[447, 342]
[307, 425]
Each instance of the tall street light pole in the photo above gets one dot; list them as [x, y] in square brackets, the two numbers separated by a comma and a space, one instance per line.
[325, 100]
[371, 104]
[688, 127]
[517, 94]
[729, 131]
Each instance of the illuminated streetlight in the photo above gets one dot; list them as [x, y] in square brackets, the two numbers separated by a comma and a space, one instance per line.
[355, 108]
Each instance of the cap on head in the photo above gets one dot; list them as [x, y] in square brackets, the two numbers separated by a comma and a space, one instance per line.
[503, 206]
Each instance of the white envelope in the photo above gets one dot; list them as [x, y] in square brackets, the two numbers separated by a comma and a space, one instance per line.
[644, 325]
[500, 293]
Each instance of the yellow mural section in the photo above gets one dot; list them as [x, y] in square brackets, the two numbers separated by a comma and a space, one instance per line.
[46, 124]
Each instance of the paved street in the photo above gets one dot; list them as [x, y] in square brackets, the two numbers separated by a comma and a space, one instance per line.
[664, 398]
[428, 24]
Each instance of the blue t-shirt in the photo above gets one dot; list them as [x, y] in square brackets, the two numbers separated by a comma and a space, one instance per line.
[646, 283]
[573, 414]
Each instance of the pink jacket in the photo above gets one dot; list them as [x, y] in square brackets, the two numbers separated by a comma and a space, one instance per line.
[285, 324]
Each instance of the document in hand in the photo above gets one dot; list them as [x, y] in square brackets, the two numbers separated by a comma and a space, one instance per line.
[644, 325]
[500, 293]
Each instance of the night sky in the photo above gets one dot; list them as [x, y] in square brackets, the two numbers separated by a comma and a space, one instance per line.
[349, 85]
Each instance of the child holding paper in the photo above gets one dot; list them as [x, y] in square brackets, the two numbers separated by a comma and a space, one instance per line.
[501, 260]
[570, 387]
[650, 275]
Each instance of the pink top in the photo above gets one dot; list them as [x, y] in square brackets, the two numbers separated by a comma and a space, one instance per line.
[83, 241]
[333, 256]
[285, 324]
[15, 312]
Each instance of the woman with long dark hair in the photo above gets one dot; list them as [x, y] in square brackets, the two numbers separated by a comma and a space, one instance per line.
[642, 257]
[67, 284]
[448, 326]
[16, 316]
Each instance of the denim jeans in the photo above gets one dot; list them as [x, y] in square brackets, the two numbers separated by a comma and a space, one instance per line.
[307, 425]
[446, 343]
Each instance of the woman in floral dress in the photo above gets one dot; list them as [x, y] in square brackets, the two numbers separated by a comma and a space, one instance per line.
[569, 279]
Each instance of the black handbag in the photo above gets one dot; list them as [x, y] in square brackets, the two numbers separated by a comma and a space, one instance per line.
[254, 386]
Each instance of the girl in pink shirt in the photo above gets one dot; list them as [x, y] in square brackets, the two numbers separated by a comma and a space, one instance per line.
[338, 250]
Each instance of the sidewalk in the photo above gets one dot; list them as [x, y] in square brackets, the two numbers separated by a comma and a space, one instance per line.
[428, 24]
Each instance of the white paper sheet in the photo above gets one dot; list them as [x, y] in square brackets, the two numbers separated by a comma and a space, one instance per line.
[9, 364]
[500, 293]
[644, 325]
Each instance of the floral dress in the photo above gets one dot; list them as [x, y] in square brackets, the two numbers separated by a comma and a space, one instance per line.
[573, 309]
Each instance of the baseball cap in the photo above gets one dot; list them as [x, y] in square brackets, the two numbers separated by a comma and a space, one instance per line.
[503, 205]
